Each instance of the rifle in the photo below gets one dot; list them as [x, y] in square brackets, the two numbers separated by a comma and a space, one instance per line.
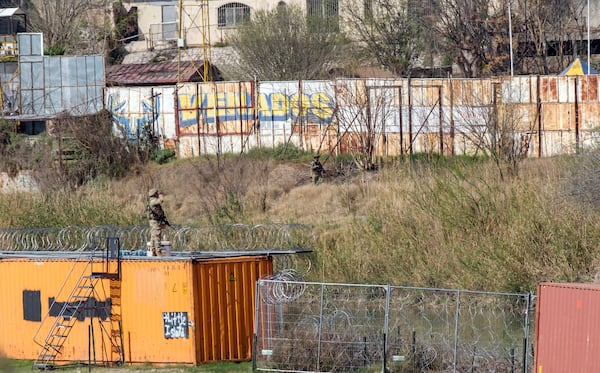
[164, 221]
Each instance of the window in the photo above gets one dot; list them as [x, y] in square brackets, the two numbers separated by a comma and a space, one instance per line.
[233, 14]
[368, 9]
[327, 9]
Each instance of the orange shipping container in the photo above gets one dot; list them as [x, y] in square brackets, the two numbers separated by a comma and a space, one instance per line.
[567, 337]
[184, 309]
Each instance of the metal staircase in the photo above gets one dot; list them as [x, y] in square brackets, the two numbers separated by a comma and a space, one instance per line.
[83, 302]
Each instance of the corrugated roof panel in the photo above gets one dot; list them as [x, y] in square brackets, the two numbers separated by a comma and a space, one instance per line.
[154, 73]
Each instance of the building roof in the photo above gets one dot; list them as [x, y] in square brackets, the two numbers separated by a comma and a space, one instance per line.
[578, 67]
[159, 73]
[9, 12]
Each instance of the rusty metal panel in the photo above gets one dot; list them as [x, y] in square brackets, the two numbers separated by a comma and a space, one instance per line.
[548, 89]
[590, 115]
[136, 108]
[225, 295]
[589, 88]
[558, 116]
[567, 328]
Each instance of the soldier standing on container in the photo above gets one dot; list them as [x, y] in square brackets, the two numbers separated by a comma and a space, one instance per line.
[317, 170]
[156, 219]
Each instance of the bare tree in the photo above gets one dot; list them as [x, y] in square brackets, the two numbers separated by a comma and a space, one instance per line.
[362, 111]
[286, 44]
[387, 31]
[549, 27]
[475, 35]
[64, 23]
[496, 129]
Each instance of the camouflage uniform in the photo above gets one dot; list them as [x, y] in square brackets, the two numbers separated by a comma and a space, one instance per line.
[156, 220]
[317, 170]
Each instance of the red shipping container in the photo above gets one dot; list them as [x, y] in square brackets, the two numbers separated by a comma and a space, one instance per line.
[567, 333]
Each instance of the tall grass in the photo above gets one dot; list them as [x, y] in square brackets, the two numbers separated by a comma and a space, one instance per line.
[452, 227]
[59, 209]
[435, 224]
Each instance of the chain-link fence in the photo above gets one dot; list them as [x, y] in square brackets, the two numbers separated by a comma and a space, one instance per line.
[319, 327]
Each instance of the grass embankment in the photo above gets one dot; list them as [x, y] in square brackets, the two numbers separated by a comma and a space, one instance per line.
[453, 225]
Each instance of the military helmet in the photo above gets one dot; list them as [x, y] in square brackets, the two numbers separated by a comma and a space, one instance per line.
[152, 192]
[316, 156]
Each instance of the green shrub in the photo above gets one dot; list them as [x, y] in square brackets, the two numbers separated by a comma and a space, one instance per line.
[162, 156]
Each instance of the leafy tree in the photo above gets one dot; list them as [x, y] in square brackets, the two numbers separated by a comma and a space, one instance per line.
[387, 31]
[286, 44]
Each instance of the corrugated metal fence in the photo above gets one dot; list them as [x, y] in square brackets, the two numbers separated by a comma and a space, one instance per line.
[548, 115]
[325, 327]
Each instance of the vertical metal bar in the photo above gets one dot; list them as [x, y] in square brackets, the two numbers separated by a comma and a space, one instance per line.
[588, 37]
[300, 132]
[256, 126]
[526, 339]
[198, 132]
[456, 316]
[512, 360]
[239, 112]
[256, 312]
[410, 120]
[576, 115]
[441, 120]
[414, 350]
[400, 119]
[451, 88]
[320, 328]
[539, 115]
[510, 38]
[177, 112]
[369, 128]
[89, 348]
[336, 111]
[386, 325]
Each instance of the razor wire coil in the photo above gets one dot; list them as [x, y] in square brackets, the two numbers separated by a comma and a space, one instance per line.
[233, 237]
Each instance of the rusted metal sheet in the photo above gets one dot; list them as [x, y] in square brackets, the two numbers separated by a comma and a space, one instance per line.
[567, 328]
[225, 297]
[156, 73]
[210, 299]
[589, 88]
[135, 109]
[427, 115]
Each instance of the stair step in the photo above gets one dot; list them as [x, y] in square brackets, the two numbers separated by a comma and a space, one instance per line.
[43, 366]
